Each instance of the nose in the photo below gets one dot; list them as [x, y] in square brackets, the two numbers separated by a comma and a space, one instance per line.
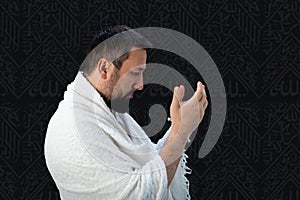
[140, 84]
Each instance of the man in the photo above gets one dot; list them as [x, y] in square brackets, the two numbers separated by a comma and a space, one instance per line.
[93, 150]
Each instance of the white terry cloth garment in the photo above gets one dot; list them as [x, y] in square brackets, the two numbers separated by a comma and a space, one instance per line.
[93, 153]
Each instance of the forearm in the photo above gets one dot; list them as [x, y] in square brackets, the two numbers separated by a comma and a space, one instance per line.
[172, 151]
[171, 170]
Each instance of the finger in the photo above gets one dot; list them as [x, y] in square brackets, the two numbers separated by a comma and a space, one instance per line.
[203, 93]
[203, 97]
[205, 104]
[181, 91]
[198, 94]
[175, 100]
[202, 107]
[179, 94]
[202, 101]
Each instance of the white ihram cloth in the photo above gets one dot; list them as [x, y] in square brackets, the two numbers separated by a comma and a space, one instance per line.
[93, 153]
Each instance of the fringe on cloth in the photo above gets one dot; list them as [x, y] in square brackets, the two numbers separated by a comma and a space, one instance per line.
[186, 170]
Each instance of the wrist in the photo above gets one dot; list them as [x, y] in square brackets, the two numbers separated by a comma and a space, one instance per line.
[180, 133]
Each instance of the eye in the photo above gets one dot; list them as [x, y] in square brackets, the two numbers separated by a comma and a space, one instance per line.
[135, 73]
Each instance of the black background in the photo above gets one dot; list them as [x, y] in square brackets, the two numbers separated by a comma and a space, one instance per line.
[255, 45]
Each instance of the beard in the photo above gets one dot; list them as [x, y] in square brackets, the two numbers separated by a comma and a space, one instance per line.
[113, 99]
[120, 105]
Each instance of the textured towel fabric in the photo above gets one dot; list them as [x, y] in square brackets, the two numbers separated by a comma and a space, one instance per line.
[94, 153]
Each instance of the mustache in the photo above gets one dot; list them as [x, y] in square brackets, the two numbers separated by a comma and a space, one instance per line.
[130, 93]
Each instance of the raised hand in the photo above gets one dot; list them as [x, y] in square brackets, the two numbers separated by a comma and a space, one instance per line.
[186, 115]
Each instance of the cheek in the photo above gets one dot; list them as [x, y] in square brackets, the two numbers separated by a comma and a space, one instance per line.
[134, 82]
[128, 82]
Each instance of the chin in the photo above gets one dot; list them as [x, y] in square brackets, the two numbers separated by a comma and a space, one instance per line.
[120, 105]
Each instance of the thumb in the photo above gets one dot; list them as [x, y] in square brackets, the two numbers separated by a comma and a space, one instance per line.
[178, 96]
[175, 101]
[198, 94]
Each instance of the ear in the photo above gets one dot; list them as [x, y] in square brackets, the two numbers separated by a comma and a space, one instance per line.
[103, 68]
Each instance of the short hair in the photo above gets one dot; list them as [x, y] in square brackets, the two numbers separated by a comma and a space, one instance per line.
[113, 48]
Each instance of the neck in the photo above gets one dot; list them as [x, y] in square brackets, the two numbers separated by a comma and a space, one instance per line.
[94, 82]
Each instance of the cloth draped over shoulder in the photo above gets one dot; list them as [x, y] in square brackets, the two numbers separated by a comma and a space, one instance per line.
[95, 153]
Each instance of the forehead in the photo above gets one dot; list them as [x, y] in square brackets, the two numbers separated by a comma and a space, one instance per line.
[136, 59]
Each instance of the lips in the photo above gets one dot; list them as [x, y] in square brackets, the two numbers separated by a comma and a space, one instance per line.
[130, 95]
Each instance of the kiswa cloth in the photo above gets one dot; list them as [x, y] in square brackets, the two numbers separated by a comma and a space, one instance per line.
[95, 153]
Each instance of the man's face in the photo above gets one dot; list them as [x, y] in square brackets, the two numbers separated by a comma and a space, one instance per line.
[130, 77]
